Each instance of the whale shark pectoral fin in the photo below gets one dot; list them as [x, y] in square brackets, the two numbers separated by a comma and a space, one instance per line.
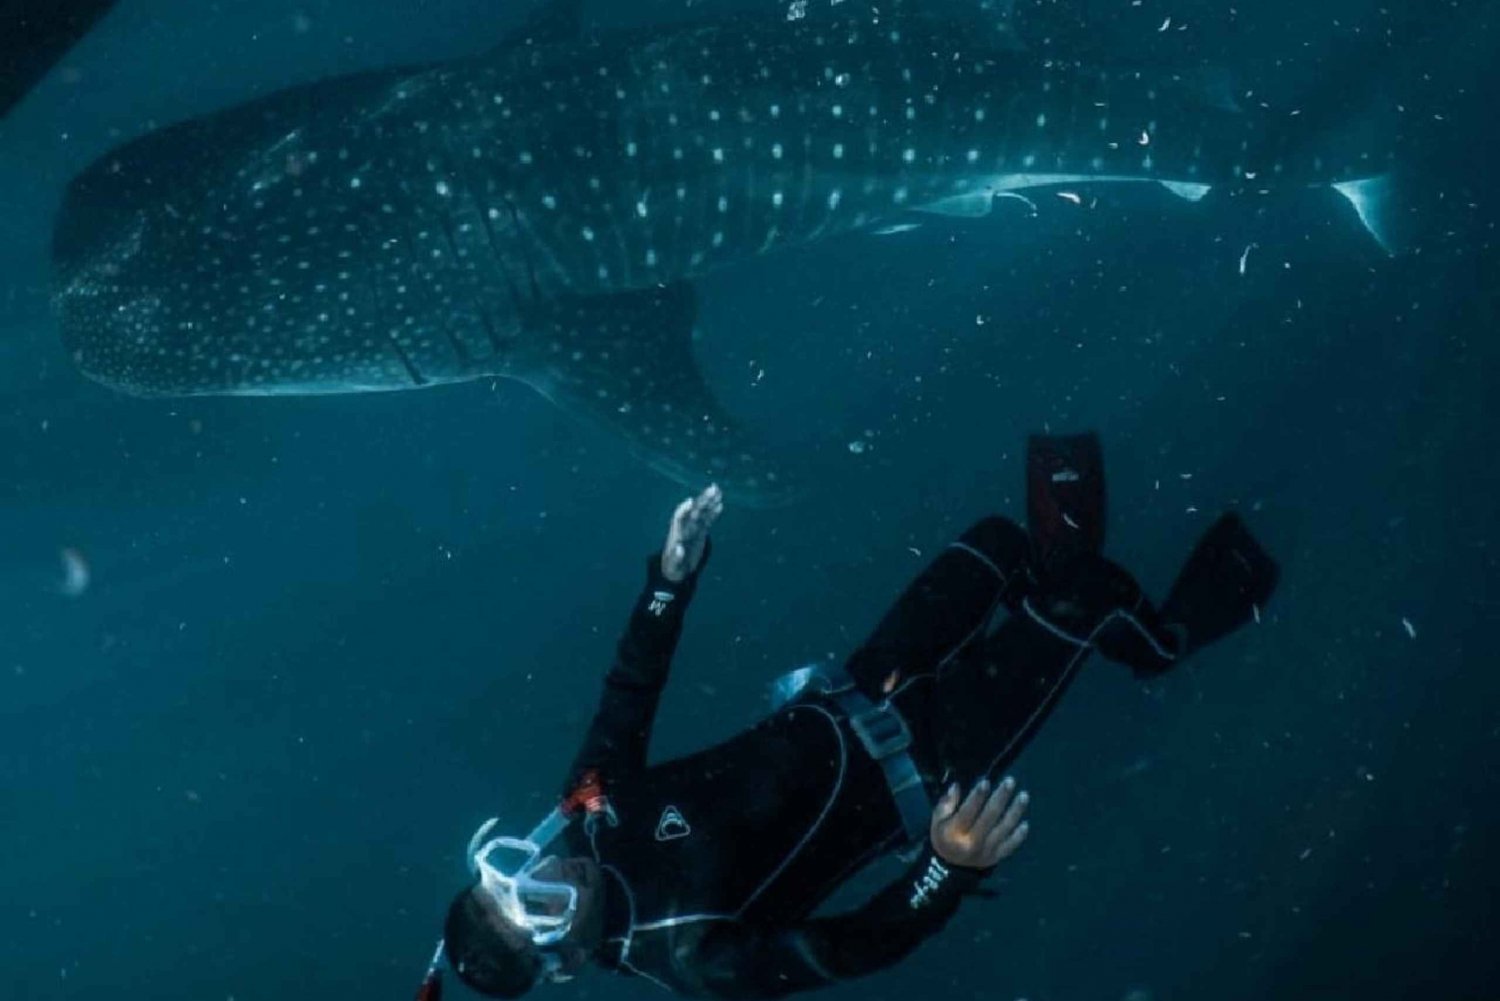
[1187, 190]
[1373, 199]
[625, 361]
[551, 21]
[974, 205]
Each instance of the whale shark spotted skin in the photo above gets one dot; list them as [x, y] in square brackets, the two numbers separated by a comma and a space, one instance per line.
[540, 212]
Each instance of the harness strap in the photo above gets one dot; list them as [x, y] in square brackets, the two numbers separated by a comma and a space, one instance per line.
[887, 739]
[880, 730]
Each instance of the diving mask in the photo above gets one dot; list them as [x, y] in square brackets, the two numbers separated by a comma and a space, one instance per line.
[507, 867]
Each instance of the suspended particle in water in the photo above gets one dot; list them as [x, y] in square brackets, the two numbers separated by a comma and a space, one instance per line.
[75, 573]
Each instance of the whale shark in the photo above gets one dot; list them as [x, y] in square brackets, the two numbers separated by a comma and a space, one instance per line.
[541, 211]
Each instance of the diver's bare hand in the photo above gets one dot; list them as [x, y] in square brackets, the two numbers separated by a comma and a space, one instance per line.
[982, 829]
[687, 536]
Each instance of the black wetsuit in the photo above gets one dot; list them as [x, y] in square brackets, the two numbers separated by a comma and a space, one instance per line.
[717, 860]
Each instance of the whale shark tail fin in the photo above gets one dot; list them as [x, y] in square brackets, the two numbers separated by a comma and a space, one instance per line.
[1374, 200]
[624, 361]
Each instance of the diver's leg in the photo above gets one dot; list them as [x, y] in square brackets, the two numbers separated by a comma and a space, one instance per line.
[989, 705]
[985, 710]
[995, 561]
[945, 607]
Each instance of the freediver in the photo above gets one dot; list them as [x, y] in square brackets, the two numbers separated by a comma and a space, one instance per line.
[703, 873]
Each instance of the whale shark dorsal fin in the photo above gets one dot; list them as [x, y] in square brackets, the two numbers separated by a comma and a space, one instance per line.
[624, 361]
[551, 21]
[1187, 190]
[1372, 199]
[974, 205]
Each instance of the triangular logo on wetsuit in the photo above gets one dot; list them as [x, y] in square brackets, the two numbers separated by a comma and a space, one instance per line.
[672, 825]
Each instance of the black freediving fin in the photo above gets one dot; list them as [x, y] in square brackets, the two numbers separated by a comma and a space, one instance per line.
[626, 362]
[1225, 583]
[1065, 496]
[34, 35]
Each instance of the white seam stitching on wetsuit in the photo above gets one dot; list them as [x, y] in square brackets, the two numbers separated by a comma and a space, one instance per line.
[959, 544]
[1067, 671]
[958, 648]
[1165, 654]
[628, 939]
[838, 787]
[984, 622]
[1057, 630]
[642, 973]
[805, 951]
[1118, 613]
[1084, 647]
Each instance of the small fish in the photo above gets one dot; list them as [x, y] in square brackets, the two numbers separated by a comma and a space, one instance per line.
[1411, 630]
[897, 228]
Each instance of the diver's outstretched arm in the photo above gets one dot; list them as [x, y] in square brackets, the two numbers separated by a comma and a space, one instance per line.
[620, 733]
[687, 535]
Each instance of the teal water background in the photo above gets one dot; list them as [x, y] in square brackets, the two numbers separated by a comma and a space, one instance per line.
[326, 637]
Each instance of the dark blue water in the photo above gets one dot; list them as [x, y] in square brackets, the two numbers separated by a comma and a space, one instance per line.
[324, 638]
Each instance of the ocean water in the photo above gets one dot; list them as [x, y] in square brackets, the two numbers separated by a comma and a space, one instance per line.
[323, 638]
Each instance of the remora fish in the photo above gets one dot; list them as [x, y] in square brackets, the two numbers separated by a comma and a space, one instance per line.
[540, 212]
